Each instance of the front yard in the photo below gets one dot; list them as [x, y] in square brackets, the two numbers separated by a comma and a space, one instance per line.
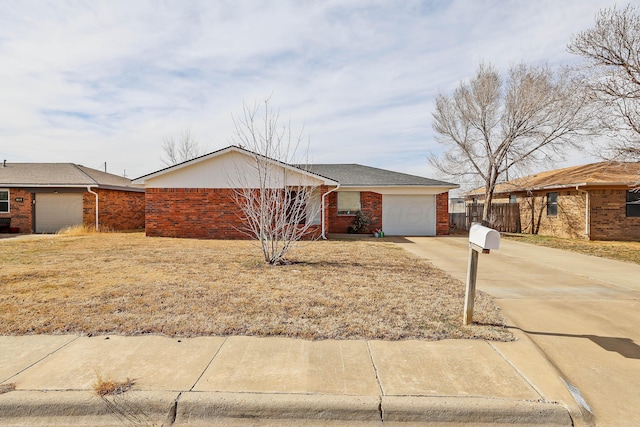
[126, 283]
[621, 251]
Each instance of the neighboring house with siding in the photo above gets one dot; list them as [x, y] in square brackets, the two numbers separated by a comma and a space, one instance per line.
[46, 197]
[599, 201]
[196, 198]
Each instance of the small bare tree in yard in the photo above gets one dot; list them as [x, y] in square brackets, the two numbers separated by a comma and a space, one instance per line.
[278, 201]
[180, 149]
[492, 125]
[612, 76]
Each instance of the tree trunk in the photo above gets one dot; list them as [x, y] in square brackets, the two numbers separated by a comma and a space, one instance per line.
[488, 199]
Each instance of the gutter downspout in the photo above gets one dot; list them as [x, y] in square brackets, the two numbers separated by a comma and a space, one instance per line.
[95, 194]
[587, 212]
[323, 235]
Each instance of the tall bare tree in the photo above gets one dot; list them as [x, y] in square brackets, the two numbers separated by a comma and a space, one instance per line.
[180, 149]
[491, 125]
[612, 76]
[279, 201]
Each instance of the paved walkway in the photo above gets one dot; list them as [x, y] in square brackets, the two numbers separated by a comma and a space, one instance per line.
[582, 311]
[278, 381]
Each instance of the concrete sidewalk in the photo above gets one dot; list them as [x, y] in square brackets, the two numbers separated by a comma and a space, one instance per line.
[279, 381]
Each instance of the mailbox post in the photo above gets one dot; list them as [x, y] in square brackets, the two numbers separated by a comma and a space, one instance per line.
[481, 239]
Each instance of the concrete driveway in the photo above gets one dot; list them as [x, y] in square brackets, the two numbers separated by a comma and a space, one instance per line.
[582, 311]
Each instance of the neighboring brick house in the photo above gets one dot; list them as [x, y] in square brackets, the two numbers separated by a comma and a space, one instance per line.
[599, 201]
[46, 197]
[196, 198]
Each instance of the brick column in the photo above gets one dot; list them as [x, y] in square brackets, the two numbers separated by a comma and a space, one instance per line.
[442, 214]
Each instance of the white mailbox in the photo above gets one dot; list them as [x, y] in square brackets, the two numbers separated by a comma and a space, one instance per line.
[483, 237]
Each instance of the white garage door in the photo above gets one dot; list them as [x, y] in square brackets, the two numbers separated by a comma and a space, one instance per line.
[407, 215]
[57, 211]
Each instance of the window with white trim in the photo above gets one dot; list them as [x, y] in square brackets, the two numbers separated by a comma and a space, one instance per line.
[4, 201]
[348, 202]
[633, 203]
[552, 204]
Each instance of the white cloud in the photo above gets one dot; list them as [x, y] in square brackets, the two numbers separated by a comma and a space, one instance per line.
[97, 81]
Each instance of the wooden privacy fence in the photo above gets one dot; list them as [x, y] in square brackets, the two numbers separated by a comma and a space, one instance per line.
[505, 217]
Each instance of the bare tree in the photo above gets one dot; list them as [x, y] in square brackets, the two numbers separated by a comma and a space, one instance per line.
[490, 126]
[280, 202]
[612, 76]
[180, 149]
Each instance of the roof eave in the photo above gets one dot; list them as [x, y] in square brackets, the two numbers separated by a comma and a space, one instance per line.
[447, 186]
[84, 186]
[565, 186]
[119, 188]
[32, 185]
[553, 187]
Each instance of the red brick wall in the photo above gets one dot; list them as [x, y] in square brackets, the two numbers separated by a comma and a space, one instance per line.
[202, 213]
[212, 213]
[117, 210]
[20, 212]
[208, 213]
[370, 203]
[442, 214]
[609, 216]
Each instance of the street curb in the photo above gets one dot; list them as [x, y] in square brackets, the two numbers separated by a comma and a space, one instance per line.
[461, 410]
[82, 408]
[200, 407]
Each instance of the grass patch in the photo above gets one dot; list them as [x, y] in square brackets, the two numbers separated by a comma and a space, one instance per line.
[6, 388]
[126, 283]
[82, 230]
[621, 251]
[108, 387]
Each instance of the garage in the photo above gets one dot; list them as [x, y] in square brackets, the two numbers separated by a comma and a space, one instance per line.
[55, 211]
[409, 215]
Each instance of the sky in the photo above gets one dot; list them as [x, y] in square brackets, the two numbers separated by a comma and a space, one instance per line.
[95, 82]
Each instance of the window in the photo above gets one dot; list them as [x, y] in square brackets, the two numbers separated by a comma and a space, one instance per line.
[633, 203]
[348, 202]
[296, 207]
[513, 198]
[552, 204]
[4, 201]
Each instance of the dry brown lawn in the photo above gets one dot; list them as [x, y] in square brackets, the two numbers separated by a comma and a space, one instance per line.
[126, 283]
[621, 251]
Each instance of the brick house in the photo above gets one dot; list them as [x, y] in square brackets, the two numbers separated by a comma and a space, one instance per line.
[46, 197]
[196, 198]
[599, 201]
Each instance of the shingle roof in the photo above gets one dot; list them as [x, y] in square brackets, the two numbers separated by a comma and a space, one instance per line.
[57, 174]
[594, 174]
[355, 175]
